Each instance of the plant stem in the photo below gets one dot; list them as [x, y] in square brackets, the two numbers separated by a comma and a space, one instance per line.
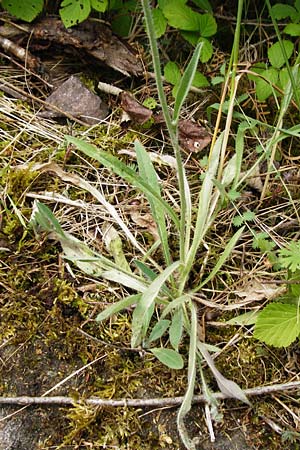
[172, 128]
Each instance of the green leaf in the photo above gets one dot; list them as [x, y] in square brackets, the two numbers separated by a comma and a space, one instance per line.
[248, 216]
[150, 103]
[24, 9]
[158, 330]
[186, 82]
[200, 80]
[122, 170]
[207, 25]
[207, 50]
[203, 4]
[181, 16]
[114, 246]
[72, 12]
[264, 88]
[168, 357]
[187, 400]
[159, 21]
[118, 306]
[282, 11]
[278, 324]
[284, 78]
[43, 217]
[191, 36]
[140, 318]
[121, 24]
[99, 5]
[176, 328]
[172, 73]
[293, 29]
[148, 173]
[276, 56]
[289, 257]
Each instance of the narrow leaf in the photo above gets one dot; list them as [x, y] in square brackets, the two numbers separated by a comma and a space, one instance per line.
[158, 330]
[176, 328]
[140, 317]
[148, 173]
[186, 82]
[227, 387]
[187, 401]
[118, 306]
[122, 170]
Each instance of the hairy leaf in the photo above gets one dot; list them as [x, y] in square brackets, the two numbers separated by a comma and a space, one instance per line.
[168, 357]
[278, 324]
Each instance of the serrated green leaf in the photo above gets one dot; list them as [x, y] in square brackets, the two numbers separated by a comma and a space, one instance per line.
[73, 12]
[264, 88]
[248, 216]
[99, 5]
[278, 324]
[207, 25]
[159, 21]
[275, 54]
[191, 36]
[24, 9]
[150, 103]
[293, 29]
[207, 49]
[172, 73]
[181, 16]
[282, 11]
[289, 257]
[158, 330]
[203, 4]
[168, 357]
[237, 221]
[200, 80]
[176, 329]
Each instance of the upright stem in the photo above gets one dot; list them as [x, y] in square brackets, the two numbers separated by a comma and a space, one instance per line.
[172, 128]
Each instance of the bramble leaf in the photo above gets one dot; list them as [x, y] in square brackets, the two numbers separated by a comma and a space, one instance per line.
[26, 9]
[276, 56]
[73, 12]
[278, 324]
[289, 257]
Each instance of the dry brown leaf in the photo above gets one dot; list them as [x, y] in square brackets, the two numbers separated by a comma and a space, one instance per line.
[257, 290]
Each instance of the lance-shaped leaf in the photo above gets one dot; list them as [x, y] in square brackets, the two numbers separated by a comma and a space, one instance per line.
[123, 171]
[140, 319]
[227, 387]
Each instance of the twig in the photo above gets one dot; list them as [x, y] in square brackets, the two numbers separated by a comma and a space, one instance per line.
[137, 403]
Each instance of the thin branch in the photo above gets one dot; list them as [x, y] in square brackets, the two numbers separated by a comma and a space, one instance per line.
[138, 403]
